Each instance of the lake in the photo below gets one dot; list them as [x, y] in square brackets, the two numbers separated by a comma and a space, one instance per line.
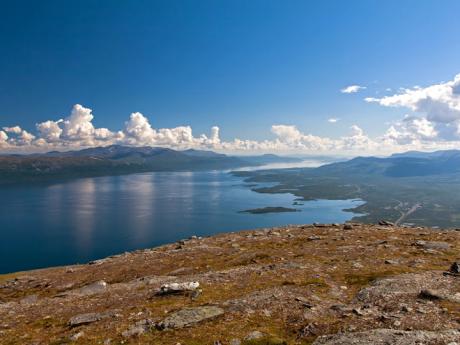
[85, 219]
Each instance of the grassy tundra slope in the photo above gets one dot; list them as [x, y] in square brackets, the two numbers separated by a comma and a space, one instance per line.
[289, 285]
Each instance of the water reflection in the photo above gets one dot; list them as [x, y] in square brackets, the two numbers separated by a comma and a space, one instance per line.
[83, 215]
[91, 218]
[139, 199]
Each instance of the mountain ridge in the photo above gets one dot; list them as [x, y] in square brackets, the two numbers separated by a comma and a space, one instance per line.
[116, 159]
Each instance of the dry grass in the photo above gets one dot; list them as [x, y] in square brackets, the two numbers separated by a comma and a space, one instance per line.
[255, 283]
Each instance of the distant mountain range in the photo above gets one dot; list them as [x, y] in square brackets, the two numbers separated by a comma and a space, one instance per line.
[412, 163]
[115, 159]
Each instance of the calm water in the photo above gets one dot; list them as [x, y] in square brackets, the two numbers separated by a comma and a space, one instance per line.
[85, 219]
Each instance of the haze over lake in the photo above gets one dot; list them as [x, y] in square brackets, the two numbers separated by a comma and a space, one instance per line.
[89, 218]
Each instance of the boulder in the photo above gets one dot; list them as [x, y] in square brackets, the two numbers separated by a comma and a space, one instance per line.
[399, 286]
[84, 319]
[177, 288]
[254, 336]
[138, 329]
[87, 290]
[77, 336]
[189, 316]
[94, 288]
[436, 245]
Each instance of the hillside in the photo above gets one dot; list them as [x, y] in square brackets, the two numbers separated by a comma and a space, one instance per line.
[115, 159]
[320, 284]
[413, 188]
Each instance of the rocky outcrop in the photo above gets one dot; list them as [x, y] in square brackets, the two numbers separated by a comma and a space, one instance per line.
[391, 337]
[177, 288]
[84, 319]
[189, 316]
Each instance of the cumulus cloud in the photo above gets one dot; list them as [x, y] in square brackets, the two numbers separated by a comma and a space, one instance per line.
[357, 140]
[289, 137]
[410, 130]
[3, 139]
[78, 125]
[437, 108]
[77, 131]
[352, 89]
[433, 124]
[15, 129]
[19, 136]
[50, 130]
[333, 120]
[439, 102]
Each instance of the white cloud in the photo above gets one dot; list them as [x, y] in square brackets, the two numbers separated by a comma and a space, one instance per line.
[19, 137]
[3, 139]
[333, 120]
[138, 129]
[437, 107]
[50, 130]
[410, 130]
[439, 102]
[78, 125]
[357, 141]
[352, 89]
[77, 131]
[15, 129]
[431, 128]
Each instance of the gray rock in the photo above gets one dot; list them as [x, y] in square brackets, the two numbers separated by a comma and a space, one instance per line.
[436, 245]
[348, 227]
[99, 262]
[254, 335]
[177, 288]
[189, 316]
[407, 284]
[138, 328]
[305, 302]
[135, 331]
[313, 238]
[94, 288]
[386, 223]
[389, 336]
[235, 342]
[319, 225]
[455, 268]
[87, 290]
[84, 319]
[77, 336]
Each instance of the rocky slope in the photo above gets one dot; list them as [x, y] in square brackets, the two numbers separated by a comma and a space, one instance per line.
[312, 284]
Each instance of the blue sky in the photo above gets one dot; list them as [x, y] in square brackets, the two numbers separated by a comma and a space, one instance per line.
[243, 66]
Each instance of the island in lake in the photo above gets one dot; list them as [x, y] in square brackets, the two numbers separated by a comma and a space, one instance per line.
[270, 209]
